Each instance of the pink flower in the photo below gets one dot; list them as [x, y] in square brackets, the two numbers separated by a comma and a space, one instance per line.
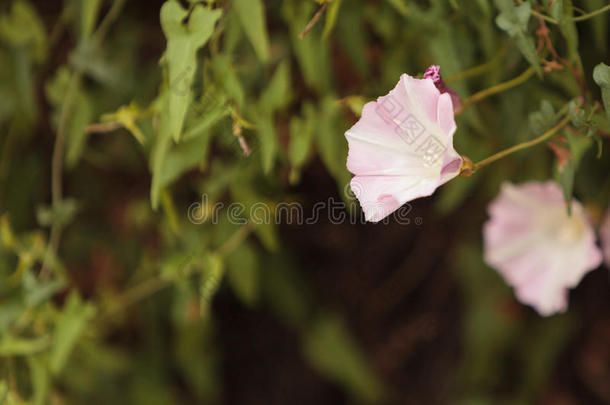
[538, 249]
[402, 147]
[604, 234]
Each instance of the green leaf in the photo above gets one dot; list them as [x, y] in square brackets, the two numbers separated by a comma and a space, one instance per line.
[354, 39]
[268, 140]
[24, 27]
[214, 270]
[583, 119]
[209, 112]
[577, 114]
[601, 76]
[331, 142]
[599, 25]
[183, 41]
[226, 75]
[251, 14]
[4, 392]
[37, 292]
[514, 21]
[71, 324]
[286, 290]
[331, 17]
[264, 228]
[40, 378]
[13, 346]
[81, 113]
[89, 12]
[243, 274]
[301, 136]
[62, 214]
[400, 6]
[278, 93]
[183, 157]
[542, 120]
[562, 11]
[312, 53]
[578, 145]
[331, 350]
[355, 104]
[178, 266]
[24, 83]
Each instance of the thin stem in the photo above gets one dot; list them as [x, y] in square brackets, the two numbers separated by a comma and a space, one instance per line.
[497, 88]
[57, 170]
[545, 17]
[577, 19]
[103, 127]
[138, 293]
[592, 14]
[156, 283]
[110, 17]
[234, 241]
[477, 70]
[313, 21]
[60, 140]
[524, 145]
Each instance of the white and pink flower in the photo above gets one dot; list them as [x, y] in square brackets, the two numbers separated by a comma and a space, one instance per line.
[538, 249]
[402, 147]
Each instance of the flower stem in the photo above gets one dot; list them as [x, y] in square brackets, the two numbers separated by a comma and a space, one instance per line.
[498, 88]
[156, 283]
[56, 172]
[579, 18]
[58, 149]
[524, 145]
[476, 70]
[592, 13]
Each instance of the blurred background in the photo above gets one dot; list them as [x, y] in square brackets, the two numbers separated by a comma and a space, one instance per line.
[122, 126]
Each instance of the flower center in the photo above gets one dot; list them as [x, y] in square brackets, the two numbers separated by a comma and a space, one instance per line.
[570, 230]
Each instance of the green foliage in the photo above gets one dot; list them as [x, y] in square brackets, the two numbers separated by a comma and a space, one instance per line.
[542, 120]
[71, 324]
[89, 13]
[244, 274]
[183, 42]
[331, 350]
[601, 76]
[566, 171]
[251, 14]
[514, 20]
[331, 18]
[12, 31]
[562, 11]
[81, 112]
[202, 105]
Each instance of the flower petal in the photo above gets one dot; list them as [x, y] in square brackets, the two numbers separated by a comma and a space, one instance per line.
[444, 114]
[379, 196]
[404, 143]
[536, 246]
